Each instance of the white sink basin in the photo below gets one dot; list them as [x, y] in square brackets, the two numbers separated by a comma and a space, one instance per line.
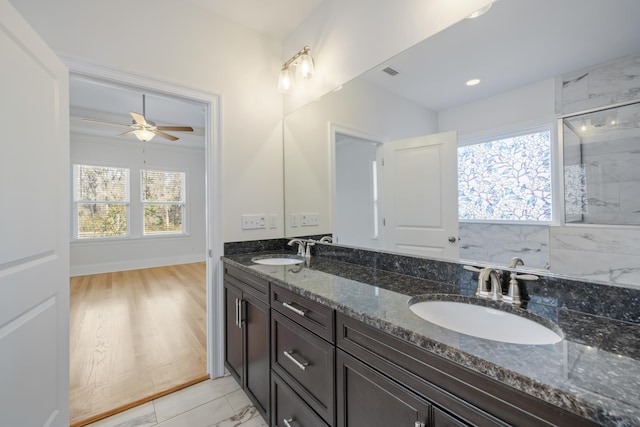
[485, 322]
[277, 260]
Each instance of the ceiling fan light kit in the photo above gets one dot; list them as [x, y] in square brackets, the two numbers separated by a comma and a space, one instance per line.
[144, 129]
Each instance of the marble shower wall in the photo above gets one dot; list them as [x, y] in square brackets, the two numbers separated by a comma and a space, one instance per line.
[602, 253]
[599, 86]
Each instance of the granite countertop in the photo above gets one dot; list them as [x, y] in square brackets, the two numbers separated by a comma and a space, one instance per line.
[593, 372]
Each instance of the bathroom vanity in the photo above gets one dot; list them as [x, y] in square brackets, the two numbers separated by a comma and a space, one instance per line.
[344, 349]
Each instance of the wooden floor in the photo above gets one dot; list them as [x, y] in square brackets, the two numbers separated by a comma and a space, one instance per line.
[135, 335]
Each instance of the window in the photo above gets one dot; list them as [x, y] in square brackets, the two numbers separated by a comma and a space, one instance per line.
[506, 179]
[101, 201]
[162, 195]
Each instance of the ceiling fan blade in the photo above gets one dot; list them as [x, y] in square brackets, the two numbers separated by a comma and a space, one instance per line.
[176, 128]
[138, 118]
[103, 123]
[127, 133]
[165, 135]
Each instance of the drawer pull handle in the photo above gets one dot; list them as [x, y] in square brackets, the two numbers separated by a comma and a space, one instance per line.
[292, 308]
[289, 355]
[287, 422]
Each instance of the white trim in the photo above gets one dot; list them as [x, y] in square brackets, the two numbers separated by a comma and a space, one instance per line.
[109, 267]
[213, 188]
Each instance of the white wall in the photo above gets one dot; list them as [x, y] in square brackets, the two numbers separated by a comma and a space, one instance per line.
[348, 38]
[188, 45]
[99, 256]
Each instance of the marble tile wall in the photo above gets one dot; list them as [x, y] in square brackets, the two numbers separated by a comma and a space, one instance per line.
[600, 86]
[604, 254]
[498, 243]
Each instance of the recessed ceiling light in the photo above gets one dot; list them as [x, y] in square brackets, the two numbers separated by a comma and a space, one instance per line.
[472, 82]
[480, 11]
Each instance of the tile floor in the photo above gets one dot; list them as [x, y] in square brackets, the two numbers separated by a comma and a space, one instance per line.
[218, 402]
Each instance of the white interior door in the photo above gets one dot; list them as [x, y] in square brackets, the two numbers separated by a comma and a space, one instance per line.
[421, 195]
[34, 228]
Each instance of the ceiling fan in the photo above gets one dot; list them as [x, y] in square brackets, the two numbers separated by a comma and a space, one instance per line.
[144, 129]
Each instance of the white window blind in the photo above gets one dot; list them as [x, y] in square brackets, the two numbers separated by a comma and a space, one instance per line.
[163, 200]
[101, 201]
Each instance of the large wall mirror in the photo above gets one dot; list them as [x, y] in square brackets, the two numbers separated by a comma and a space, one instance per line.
[359, 162]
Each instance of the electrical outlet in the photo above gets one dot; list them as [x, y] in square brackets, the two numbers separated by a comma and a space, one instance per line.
[254, 221]
[294, 220]
[273, 218]
[309, 219]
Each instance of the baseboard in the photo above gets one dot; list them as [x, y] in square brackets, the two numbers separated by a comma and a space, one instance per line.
[98, 268]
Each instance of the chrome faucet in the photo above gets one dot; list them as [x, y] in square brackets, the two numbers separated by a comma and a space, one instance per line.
[326, 239]
[496, 287]
[307, 254]
[301, 246]
[488, 283]
[515, 261]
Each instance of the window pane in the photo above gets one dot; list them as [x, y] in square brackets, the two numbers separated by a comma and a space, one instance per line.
[162, 219]
[101, 220]
[507, 179]
[94, 183]
[160, 186]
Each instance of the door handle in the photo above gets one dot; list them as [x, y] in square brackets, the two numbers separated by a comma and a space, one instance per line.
[301, 365]
[239, 313]
[287, 422]
[292, 308]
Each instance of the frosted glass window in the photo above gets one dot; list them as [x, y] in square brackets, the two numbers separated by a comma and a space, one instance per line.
[506, 179]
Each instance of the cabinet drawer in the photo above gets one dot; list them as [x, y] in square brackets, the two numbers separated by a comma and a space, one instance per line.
[256, 286]
[312, 315]
[442, 419]
[287, 405]
[306, 362]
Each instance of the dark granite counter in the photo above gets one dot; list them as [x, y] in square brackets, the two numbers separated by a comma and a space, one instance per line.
[594, 371]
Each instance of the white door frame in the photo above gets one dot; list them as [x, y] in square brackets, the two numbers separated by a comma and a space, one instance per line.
[213, 189]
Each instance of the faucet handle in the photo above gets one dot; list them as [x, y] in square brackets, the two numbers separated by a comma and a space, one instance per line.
[308, 252]
[472, 268]
[524, 276]
[513, 295]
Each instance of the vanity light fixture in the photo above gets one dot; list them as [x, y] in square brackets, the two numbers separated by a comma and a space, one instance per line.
[472, 82]
[305, 67]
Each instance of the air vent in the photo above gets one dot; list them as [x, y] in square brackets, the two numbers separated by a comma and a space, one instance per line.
[390, 71]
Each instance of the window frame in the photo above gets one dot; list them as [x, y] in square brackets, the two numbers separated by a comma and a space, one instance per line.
[76, 202]
[494, 134]
[182, 203]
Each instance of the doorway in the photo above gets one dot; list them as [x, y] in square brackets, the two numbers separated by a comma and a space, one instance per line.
[212, 245]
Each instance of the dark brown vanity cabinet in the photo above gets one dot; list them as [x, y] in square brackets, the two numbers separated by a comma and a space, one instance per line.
[247, 335]
[367, 398]
[303, 362]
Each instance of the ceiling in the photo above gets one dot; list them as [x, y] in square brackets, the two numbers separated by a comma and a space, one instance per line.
[516, 43]
[275, 18]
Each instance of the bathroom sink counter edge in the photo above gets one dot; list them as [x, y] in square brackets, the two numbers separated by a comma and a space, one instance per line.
[585, 373]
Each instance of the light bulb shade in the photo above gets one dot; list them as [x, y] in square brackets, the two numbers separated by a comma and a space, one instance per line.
[285, 81]
[144, 134]
[305, 66]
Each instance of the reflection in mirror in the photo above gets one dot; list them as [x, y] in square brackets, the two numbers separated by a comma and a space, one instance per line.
[601, 174]
[530, 76]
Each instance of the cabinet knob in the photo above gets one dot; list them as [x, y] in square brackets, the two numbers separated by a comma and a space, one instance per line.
[451, 239]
